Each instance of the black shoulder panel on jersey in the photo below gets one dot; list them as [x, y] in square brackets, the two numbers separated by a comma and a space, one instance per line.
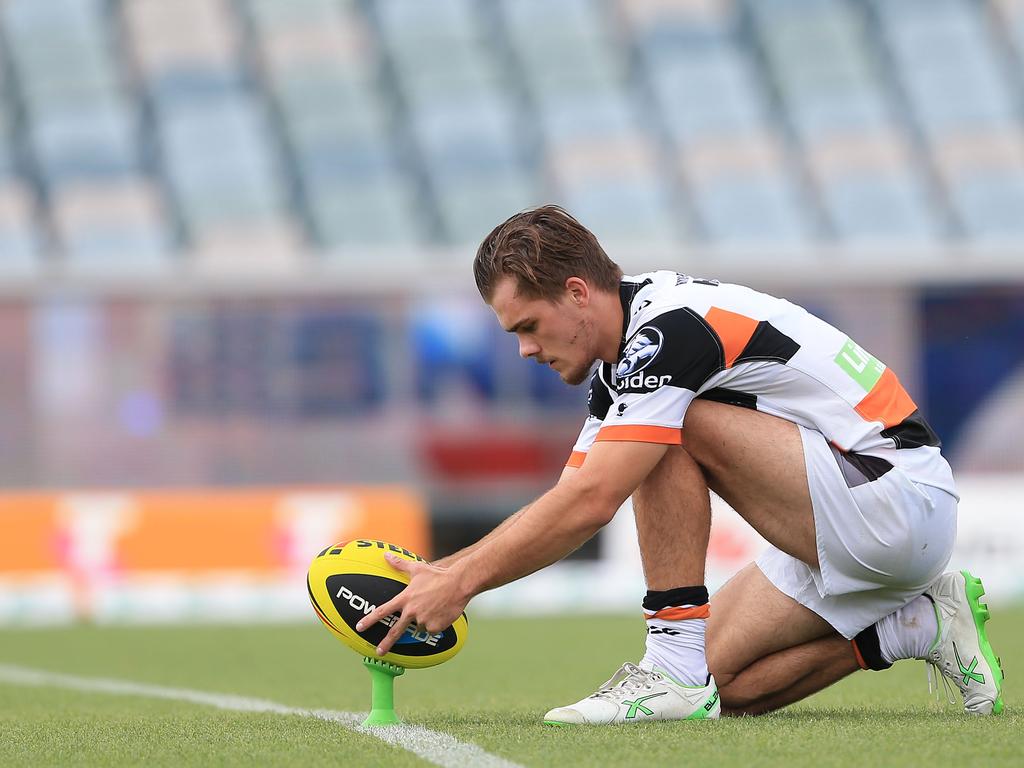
[913, 432]
[677, 348]
[730, 397]
[768, 343]
[599, 400]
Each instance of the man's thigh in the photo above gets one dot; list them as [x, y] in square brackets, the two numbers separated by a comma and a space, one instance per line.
[755, 462]
[851, 551]
[751, 619]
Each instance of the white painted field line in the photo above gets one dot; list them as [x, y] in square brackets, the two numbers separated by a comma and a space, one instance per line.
[433, 746]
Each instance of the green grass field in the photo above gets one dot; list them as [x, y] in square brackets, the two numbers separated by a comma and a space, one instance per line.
[492, 695]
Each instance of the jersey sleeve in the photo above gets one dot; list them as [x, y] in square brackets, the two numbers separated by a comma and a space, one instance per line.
[586, 439]
[599, 400]
[663, 365]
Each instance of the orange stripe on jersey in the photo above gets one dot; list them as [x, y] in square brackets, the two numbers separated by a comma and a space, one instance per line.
[638, 433]
[887, 402]
[576, 459]
[733, 329]
[678, 614]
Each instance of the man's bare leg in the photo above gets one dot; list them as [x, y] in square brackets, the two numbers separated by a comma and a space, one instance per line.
[673, 522]
[755, 462]
[673, 528]
[793, 674]
[763, 645]
[766, 650]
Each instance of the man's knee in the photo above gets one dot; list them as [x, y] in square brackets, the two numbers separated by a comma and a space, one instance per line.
[724, 666]
[737, 698]
[718, 435]
[707, 425]
[740, 695]
[699, 429]
[737, 702]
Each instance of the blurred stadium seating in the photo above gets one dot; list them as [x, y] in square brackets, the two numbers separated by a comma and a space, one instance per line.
[815, 139]
[135, 131]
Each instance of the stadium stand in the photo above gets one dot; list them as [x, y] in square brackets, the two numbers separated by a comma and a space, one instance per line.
[726, 141]
[458, 114]
[135, 131]
[19, 243]
[863, 169]
[960, 95]
[599, 161]
[218, 153]
[321, 63]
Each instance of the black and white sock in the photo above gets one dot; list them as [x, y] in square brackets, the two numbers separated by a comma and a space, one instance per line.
[675, 633]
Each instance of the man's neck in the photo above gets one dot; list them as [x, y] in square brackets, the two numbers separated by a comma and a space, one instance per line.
[608, 319]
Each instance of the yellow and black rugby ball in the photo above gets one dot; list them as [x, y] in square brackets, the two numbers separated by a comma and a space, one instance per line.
[348, 580]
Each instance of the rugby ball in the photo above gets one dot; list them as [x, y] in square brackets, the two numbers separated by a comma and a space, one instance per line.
[348, 580]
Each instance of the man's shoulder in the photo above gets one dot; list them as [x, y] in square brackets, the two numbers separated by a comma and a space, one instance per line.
[666, 293]
[654, 294]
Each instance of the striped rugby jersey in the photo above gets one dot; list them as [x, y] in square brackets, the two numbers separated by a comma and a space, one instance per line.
[685, 337]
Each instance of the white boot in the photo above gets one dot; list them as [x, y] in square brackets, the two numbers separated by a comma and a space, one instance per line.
[639, 693]
[961, 651]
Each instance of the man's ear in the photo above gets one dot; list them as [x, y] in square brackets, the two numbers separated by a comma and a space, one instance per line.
[578, 291]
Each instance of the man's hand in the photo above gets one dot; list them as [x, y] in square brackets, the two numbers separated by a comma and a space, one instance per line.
[433, 600]
[541, 534]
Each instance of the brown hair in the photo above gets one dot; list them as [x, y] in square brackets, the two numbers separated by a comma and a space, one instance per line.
[542, 248]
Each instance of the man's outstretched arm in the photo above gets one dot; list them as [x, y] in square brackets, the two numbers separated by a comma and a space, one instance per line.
[450, 560]
[542, 533]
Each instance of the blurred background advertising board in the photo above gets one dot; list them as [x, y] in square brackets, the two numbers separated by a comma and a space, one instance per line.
[212, 554]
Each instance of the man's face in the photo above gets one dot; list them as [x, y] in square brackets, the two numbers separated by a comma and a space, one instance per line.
[559, 334]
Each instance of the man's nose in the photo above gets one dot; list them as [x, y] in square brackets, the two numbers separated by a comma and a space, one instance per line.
[528, 348]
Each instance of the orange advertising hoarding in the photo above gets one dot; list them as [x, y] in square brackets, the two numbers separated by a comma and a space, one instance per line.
[198, 531]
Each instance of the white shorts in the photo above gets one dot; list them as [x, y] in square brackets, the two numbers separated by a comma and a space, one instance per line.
[881, 542]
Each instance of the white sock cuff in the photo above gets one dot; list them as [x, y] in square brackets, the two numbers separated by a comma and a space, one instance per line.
[909, 632]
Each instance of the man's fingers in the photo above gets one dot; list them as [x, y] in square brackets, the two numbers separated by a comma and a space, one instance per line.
[392, 606]
[392, 637]
[400, 563]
